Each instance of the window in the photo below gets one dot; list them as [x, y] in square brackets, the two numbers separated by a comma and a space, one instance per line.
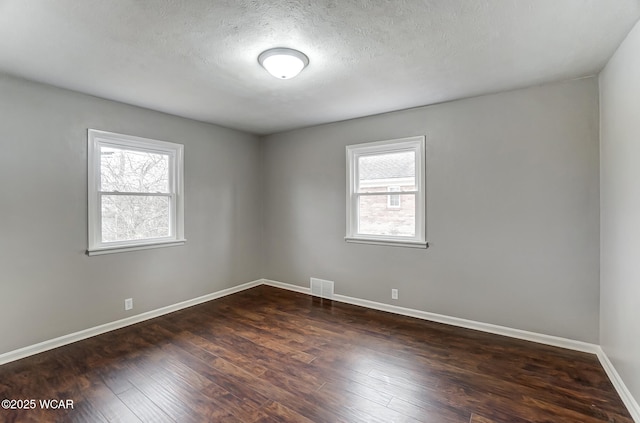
[135, 193]
[393, 201]
[385, 192]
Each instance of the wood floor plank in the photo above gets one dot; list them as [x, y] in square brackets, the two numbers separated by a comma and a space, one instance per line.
[83, 411]
[352, 406]
[218, 349]
[145, 409]
[204, 363]
[270, 355]
[110, 406]
[475, 418]
[430, 412]
[114, 377]
[275, 412]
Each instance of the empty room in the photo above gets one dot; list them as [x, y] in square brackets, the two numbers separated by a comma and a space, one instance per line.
[320, 211]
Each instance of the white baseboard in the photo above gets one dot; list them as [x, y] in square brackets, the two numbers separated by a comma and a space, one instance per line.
[616, 380]
[454, 321]
[287, 286]
[107, 327]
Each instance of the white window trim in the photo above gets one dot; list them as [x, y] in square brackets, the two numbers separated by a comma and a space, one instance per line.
[96, 139]
[416, 144]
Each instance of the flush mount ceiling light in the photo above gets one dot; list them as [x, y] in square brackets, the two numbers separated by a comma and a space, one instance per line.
[283, 63]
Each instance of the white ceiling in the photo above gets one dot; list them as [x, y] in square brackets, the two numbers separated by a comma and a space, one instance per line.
[198, 58]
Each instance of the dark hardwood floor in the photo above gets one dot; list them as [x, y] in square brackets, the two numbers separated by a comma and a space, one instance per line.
[270, 355]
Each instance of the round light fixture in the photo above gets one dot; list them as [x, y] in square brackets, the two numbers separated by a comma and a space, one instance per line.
[283, 63]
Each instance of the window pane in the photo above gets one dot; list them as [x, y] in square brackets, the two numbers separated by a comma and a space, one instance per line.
[393, 201]
[378, 172]
[375, 217]
[129, 217]
[133, 171]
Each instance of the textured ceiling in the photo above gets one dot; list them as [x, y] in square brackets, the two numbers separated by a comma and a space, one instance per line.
[198, 58]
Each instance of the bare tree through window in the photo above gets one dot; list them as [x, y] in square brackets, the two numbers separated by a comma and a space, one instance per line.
[135, 194]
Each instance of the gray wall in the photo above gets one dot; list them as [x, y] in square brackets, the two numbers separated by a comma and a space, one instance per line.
[512, 210]
[49, 287]
[620, 211]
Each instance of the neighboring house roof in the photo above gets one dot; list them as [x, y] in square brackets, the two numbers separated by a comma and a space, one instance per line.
[386, 166]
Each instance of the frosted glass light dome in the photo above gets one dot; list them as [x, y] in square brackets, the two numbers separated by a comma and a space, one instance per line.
[283, 63]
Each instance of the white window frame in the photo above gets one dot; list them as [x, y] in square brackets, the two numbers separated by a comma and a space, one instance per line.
[97, 139]
[354, 152]
[394, 189]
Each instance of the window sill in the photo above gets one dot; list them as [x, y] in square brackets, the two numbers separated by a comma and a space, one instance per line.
[124, 248]
[390, 243]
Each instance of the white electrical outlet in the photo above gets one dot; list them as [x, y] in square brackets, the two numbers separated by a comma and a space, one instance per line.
[394, 294]
[128, 304]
